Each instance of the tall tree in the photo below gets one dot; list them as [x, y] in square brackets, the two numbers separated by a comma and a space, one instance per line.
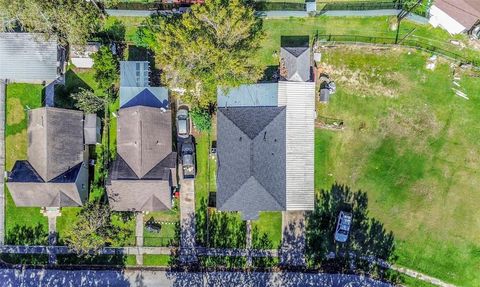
[105, 65]
[88, 101]
[211, 46]
[72, 21]
[92, 229]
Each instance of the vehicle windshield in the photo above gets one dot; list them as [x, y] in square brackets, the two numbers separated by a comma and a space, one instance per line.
[182, 127]
[188, 159]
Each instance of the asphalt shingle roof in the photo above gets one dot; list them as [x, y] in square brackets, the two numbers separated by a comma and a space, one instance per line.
[142, 175]
[296, 61]
[55, 142]
[251, 160]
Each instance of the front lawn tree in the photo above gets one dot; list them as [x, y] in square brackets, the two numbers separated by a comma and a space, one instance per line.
[213, 45]
[72, 21]
[92, 229]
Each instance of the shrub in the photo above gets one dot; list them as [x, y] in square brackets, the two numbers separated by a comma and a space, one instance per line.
[201, 119]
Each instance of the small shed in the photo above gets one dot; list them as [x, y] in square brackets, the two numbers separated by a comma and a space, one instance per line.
[81, 55]
[91, 129]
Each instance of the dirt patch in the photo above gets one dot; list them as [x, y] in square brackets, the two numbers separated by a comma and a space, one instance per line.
[425, 189]
[415, 125]
[364, 83]
[15, 114]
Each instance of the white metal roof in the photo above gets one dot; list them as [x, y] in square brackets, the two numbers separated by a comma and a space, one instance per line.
[299, 98]
[28, 57]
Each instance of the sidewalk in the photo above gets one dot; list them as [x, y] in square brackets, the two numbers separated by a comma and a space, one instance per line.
[3, 88]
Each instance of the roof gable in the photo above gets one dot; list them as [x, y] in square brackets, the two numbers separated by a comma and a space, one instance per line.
[146, 98]
[144, 137]
[295, 63]
[252, 197]
[251, 120]
[55, 141]
[257, 158]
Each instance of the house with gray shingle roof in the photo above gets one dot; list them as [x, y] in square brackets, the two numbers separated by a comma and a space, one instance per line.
[265, 142]
[295, 64]
[56, 171]
[144, 173]
[30, 58]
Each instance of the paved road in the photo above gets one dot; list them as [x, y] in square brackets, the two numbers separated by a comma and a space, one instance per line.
[3, 88]
[120, 278]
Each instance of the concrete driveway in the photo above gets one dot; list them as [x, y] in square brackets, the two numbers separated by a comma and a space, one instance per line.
[187, 219]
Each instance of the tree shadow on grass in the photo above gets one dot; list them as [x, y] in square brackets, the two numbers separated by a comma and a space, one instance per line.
[73, 84]
[368, 242]
[26, 235]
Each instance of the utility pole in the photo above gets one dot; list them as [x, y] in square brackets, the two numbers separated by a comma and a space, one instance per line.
[404, 13]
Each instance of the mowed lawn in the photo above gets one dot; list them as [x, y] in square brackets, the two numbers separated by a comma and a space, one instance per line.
[20, 98]
[414, 147]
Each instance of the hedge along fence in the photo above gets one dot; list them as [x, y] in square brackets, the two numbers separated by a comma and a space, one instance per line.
[465, 57]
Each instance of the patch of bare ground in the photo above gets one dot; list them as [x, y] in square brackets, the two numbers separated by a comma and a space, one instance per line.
[414, 124]
[16, 114]
[373, 82]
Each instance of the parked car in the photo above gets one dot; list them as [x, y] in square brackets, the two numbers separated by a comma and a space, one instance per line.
[188, 158]
[183, 122]
[343, 226]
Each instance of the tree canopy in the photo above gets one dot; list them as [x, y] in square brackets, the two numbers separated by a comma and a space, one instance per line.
[211, 46]
[88, 102]
[105, 65]
[71, 21]
[92, 229]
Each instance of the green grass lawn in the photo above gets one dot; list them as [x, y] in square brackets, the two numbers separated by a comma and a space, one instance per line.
[163, 238]
[271, 224]
[155, 260]
[205, 180]
[20, 98]
[413, 282]
[360, 26]
[412, 145]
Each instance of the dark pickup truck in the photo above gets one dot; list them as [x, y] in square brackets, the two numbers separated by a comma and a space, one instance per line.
[188, 158]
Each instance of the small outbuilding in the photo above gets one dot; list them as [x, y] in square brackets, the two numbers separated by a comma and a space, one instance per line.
[81, 55]
[91, 129]
[30, 58]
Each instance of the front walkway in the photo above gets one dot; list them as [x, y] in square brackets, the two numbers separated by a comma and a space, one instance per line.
[139, 236]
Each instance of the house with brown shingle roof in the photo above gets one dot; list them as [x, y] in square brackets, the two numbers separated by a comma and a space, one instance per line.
[144, 173]
[455, 16]
[56, 171]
